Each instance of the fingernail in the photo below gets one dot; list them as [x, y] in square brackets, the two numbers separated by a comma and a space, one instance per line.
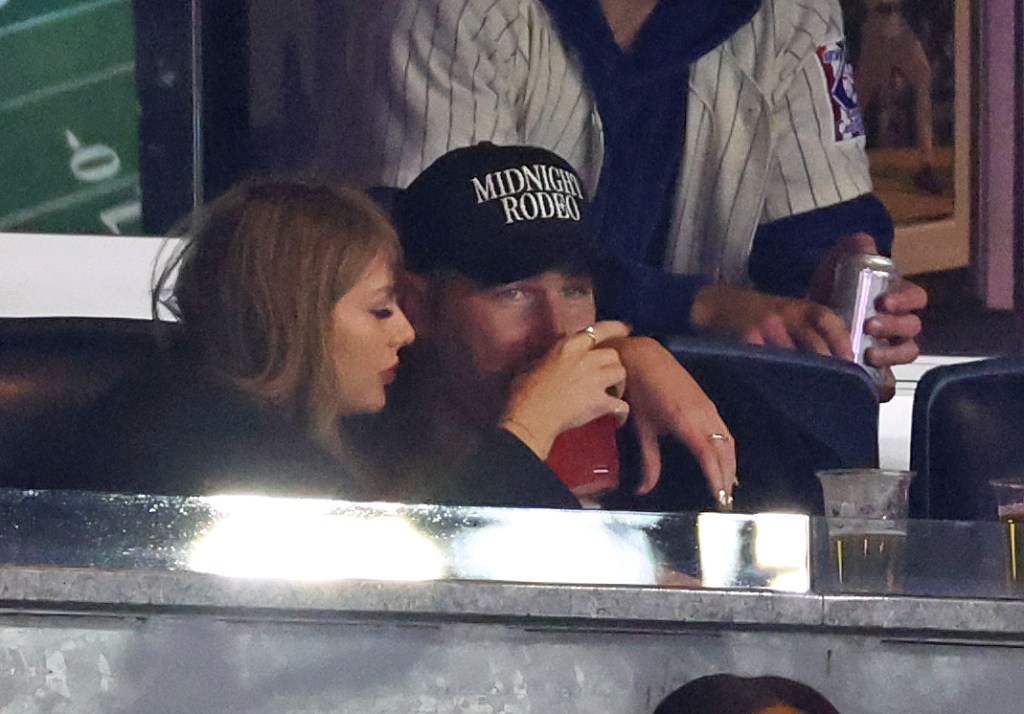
[724, 500]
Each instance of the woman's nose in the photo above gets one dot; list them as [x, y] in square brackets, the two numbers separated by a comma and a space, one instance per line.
[404, 332]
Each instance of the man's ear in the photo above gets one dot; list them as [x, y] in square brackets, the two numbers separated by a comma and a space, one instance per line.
[415, 300]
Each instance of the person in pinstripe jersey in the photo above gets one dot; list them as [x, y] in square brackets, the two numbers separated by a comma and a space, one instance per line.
[724, 142]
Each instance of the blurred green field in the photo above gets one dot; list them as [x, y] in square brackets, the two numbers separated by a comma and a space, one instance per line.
[68, 117]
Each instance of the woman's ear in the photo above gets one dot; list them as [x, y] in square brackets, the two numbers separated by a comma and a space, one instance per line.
[415, 301]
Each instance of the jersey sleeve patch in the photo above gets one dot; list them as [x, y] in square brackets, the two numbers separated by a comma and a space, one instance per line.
[847, 119]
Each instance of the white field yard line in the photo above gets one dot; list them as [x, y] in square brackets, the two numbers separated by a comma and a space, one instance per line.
[42, 93]
[69, 200]
[56, 16]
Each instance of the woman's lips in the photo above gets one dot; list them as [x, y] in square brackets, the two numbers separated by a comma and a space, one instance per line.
[389, 374]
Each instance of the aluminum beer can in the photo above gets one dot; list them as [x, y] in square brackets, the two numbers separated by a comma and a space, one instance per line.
[860, 280]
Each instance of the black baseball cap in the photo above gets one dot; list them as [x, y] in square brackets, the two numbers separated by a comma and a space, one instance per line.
[495, 214]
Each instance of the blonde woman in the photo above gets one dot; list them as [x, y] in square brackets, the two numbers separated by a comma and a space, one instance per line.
[288, 321]
[286, 297]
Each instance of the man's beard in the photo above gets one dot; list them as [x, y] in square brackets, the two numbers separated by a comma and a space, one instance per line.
[481, 400]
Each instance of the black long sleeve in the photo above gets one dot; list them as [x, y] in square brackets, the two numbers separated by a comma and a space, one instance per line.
[503, 472]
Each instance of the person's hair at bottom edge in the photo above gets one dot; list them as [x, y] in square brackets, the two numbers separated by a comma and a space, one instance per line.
[255, 286]
[732, 694]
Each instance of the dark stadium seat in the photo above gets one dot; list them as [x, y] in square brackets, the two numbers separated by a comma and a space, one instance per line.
[834, 400]
[50, 368]
[790, 413]
[967, 428]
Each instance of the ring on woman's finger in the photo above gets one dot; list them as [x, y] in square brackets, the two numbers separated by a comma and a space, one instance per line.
[590, 332]
[715, 436]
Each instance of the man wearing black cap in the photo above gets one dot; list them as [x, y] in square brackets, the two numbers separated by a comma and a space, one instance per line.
[499, 289]
[722, 144]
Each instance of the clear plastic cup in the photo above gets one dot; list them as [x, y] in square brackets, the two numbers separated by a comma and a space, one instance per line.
[1010, 508]
[867, 524]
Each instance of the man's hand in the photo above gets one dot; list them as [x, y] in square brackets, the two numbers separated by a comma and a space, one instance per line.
[665, 400]
[578, 380]
[895, 326]
[770, 320]
[810, 326]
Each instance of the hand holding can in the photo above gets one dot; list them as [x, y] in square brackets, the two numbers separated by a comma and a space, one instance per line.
[860, 282]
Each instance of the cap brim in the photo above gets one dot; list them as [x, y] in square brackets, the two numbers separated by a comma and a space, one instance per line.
[531, 250]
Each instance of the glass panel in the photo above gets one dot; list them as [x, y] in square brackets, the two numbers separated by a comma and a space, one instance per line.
[904, 53]
[927, 558]
[311, 539]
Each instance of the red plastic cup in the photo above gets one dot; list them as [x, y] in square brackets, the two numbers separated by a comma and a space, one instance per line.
[586, 458]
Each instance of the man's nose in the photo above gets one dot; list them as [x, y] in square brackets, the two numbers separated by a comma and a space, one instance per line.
[555, 321]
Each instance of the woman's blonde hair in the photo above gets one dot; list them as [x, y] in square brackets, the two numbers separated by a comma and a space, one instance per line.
[257, 283]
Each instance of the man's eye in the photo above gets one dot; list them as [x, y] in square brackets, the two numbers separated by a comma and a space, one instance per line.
[578, 291]
[511, 294]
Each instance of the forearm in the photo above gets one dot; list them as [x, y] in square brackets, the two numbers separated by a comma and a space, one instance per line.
[650, 300]
[787, 253]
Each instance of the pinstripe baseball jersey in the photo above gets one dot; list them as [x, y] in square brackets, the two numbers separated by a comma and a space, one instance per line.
[762, 138]
[437, 75]
[761, 134]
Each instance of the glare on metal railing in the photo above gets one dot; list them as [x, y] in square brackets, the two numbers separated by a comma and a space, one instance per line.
[309, 539]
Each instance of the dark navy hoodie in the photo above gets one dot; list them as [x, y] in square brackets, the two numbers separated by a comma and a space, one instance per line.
[641, 97]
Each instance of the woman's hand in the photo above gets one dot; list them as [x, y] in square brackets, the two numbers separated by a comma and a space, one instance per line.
[577, 381]
[665, 400]
[763, 319]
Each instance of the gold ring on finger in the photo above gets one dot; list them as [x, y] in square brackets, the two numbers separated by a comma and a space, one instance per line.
[590, 332]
